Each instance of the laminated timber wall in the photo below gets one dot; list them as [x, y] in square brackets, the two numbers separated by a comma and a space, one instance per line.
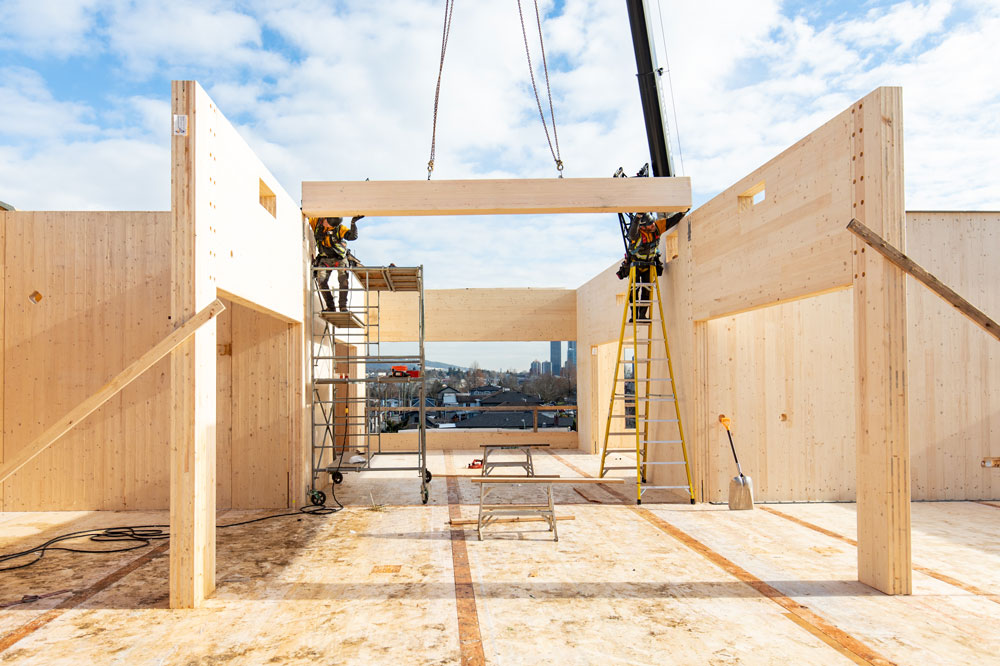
[735, 255]
[104, 284]
[785, 375]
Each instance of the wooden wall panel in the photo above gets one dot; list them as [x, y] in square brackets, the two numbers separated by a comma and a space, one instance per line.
[880, 350]
[99, 275]
[496, 197]
[224, 408]
[254, 256]
[954, 367]
[3, 339]
[785, 375]
[480, 315]
[262, 433]
[791, 244]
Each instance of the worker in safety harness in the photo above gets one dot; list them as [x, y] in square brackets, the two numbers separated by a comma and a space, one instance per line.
[642, 250]
[331, 252]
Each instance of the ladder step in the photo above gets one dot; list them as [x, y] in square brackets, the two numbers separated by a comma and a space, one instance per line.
[645, 487]
[644, 379]
[608, 469]
[664, 441]
[633, 398]
[620, 451]
[665, 463]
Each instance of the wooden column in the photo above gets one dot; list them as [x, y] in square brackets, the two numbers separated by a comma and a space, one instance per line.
[193, 364]
[883, 453]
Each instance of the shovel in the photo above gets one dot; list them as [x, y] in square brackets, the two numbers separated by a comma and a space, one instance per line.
[741, 486]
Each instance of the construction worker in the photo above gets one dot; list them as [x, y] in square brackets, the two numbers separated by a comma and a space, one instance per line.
[331, 252]
[644, 252]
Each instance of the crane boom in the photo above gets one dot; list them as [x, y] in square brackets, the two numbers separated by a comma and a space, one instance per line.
[650, 93]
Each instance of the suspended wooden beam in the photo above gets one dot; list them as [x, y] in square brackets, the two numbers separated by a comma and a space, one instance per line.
[496, 197]
[917, 271]
[109, 390]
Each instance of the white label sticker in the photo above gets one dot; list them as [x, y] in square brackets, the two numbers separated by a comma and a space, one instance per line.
[180, 124]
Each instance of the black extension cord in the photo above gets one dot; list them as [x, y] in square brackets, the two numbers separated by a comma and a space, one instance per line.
[139, 536]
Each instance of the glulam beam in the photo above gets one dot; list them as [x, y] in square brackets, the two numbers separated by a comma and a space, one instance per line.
[495, 197]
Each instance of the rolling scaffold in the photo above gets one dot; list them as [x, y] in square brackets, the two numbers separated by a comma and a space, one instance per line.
[353, 387]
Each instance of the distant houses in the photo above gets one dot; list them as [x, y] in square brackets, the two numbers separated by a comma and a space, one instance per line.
[463, 410]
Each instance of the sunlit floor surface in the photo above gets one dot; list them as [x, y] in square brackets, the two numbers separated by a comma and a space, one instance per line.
[388, 580]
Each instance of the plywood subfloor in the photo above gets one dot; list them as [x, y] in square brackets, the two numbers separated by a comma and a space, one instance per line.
[664, 583]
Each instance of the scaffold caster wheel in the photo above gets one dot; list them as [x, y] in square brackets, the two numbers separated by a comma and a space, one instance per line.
[317, 498]
[428, 476]
[337, 477]
[424, 495]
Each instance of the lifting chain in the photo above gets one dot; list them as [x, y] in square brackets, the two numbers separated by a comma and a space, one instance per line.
[449, 8]
[556, 155]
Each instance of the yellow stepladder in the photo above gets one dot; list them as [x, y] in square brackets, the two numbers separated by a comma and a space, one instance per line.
[649, 395]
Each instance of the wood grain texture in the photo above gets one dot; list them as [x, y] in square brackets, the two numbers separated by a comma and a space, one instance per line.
[915, 270]
[193, 364]
[261, 421]
[880, 330]
[93, 402]
[105, 301]
[495, 197]
[790, 245]
[953, 365]
[480, 315]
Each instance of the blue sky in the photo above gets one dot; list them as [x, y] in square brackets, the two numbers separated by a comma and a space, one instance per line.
[344, 90]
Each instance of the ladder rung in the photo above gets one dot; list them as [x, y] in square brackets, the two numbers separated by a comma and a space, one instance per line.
[644, 379]
[633, 398]
[664, 441]
[657, 420]
[645, 487]
[665, 463]
[620, 451]
[607, 469]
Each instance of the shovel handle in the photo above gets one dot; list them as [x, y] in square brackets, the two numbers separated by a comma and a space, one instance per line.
[726, 421]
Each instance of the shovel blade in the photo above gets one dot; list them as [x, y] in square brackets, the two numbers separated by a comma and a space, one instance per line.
[740, 493]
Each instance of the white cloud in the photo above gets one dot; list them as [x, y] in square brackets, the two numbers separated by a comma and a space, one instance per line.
[47, 27]
[30, 114]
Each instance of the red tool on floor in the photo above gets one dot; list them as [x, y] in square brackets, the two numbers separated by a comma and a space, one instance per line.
[475, 464]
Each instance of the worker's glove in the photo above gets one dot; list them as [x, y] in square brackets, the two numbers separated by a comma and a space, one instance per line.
[623, 269]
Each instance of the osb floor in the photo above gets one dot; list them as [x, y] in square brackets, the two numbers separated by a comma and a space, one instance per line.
[663, 583]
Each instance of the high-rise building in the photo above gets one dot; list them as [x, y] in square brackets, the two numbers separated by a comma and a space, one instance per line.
[555, 354]
[546, 368]
[571, 353]
[536, 368]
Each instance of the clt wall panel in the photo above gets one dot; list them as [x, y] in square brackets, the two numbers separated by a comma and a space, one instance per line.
[496, 197]
[785, 375]
[263, 376]
[953, 365]
[479, 315]
[103, 281]
[252, 235]
[791, 243]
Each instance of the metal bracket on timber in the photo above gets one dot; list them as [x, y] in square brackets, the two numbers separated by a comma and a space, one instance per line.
[109, 390]
[991, 462]
[496, 197]
[913, 268]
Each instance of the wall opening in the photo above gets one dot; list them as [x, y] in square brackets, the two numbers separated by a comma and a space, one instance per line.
[268, 200]
[755, 195]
